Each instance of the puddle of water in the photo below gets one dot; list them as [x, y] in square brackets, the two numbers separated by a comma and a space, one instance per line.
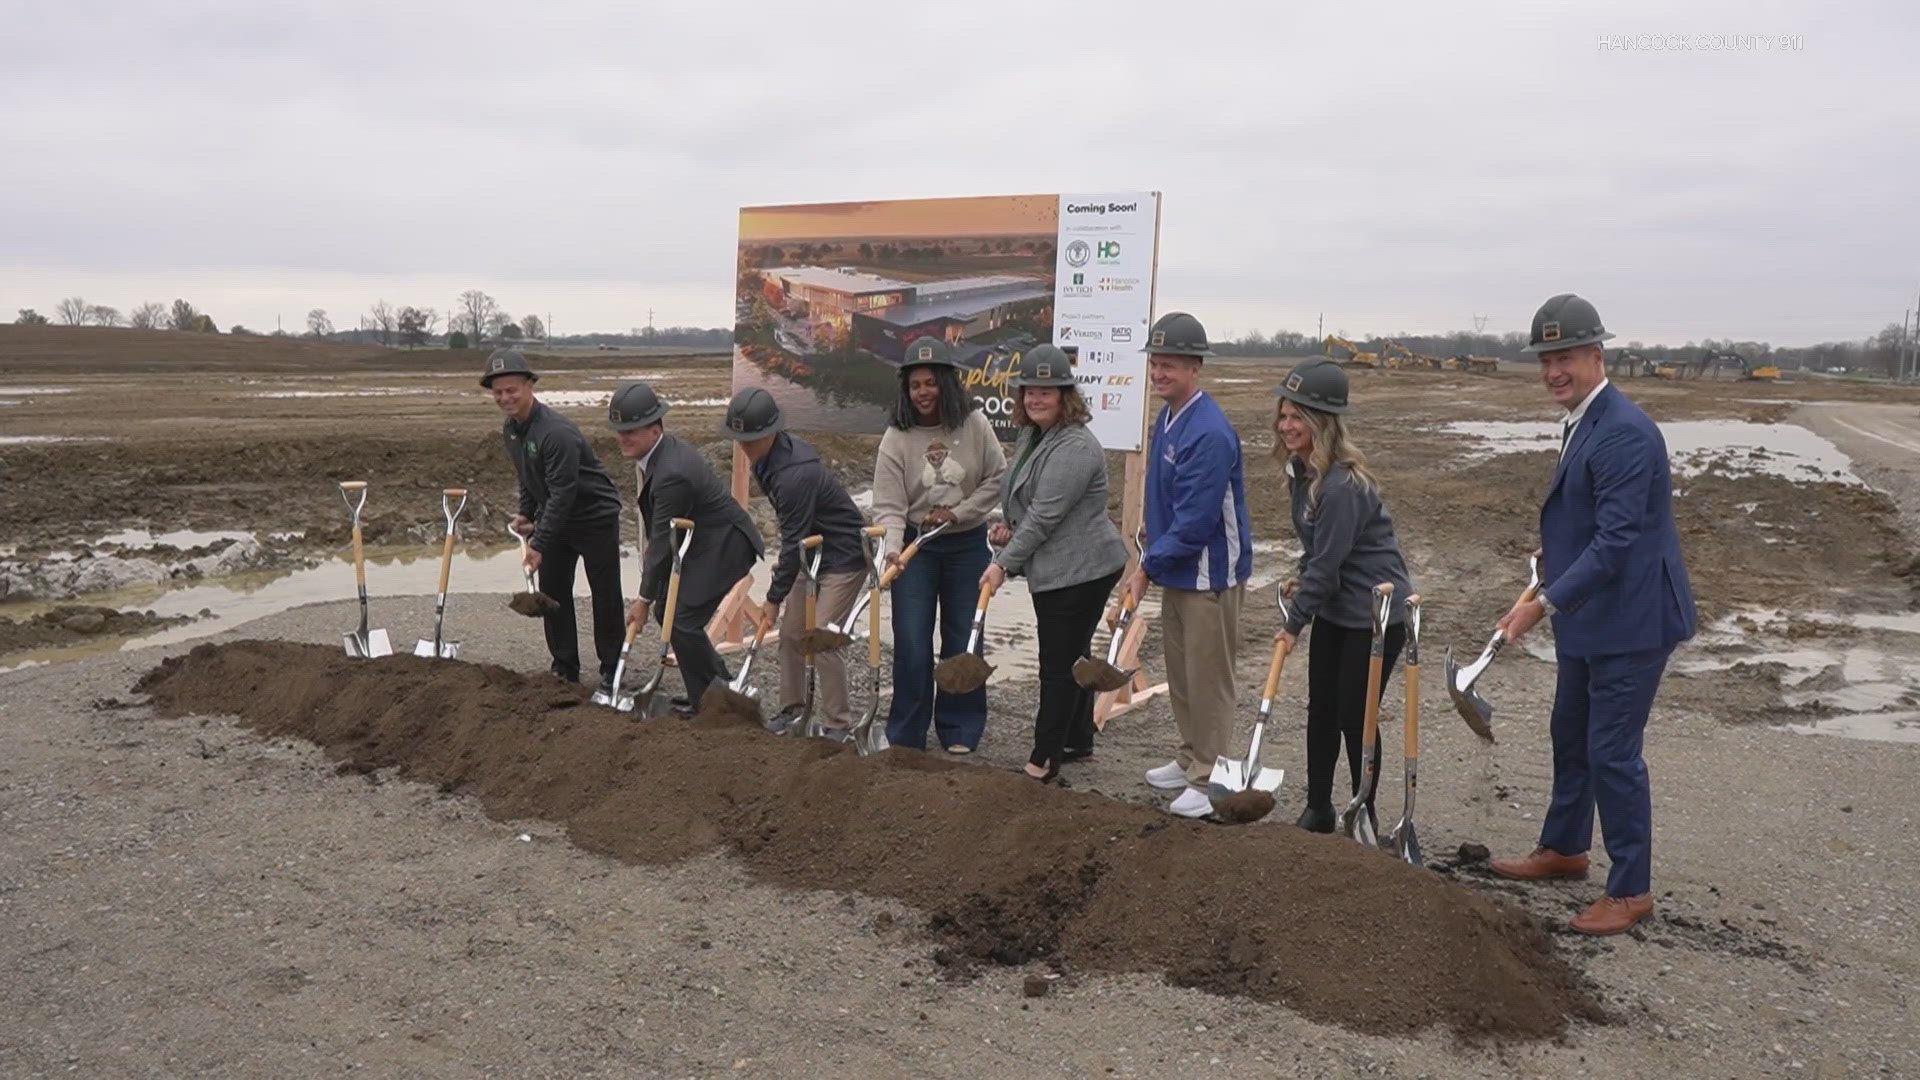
[10, 403]
[1233, 382]
[576, 398]
[23, 390]
[370, 391]
[12, 440]
[1902, 727]
[1784, 450]
[181, 538]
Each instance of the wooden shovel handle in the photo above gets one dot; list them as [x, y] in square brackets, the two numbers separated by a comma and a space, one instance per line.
[810, 542]
[873, 628]
[359, 557]
[683, 523]
[986, 595]
[446, 561]
[1280, 650]
[352, 485]
[454, 493]
[874, 530]
[888, 575]
[633, 631]
[1411, 673]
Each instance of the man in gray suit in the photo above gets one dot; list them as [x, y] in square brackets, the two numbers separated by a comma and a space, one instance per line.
[676, 482]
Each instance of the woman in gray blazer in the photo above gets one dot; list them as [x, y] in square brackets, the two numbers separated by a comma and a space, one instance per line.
[1058, 535]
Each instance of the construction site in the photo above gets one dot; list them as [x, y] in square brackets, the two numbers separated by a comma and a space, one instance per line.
[229, 849]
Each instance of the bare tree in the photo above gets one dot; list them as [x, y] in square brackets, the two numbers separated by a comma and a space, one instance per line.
[72, 311]
[102, 315]
[30, 317]
[534, 328]
[473, 313]
[148, 316]
[318, 324]
[183, 316]
[497, 324]
[416, 325]
[380, 318]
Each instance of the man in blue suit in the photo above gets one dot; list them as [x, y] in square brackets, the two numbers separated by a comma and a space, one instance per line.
[1620, 600]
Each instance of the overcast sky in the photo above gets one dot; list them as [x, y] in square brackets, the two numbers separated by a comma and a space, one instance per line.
[1399, 170]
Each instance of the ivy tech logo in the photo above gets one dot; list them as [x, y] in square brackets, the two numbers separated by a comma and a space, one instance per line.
[1079, 279]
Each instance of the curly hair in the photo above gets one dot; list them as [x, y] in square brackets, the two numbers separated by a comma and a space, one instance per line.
[955, 405]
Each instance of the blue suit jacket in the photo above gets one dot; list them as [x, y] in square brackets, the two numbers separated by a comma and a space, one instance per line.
[1612, 554]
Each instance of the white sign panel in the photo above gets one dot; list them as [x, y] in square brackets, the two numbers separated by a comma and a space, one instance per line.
[1103, 304]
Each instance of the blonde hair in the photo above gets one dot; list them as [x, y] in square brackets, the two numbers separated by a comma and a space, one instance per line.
[1332, 445]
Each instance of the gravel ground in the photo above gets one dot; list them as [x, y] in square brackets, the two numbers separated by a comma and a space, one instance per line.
[181, 898]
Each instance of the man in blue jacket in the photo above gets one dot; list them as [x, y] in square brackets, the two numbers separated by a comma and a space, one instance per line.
[1199, 551]
[1620, 599]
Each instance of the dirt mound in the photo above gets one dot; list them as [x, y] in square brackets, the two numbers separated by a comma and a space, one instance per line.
[69, 623]
[1009, 871]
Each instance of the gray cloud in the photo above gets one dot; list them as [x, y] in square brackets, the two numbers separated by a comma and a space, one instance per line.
[1399, 170]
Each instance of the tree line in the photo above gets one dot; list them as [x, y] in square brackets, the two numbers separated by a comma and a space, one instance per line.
[1879, 353]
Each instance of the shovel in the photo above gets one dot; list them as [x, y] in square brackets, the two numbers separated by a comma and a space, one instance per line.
[647, 701]
[968, 671]
[362, 644]
[811, 552]
[440, 647]
[834, 637]
[1403, 841]
[869, 737]
[533, 603]
[1106, 675]
[1242, 791]
[1474, 709]
[1356, 821]
[736, 700]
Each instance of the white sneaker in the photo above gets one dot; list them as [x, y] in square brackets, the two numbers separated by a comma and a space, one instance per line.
[1168, 777]
[1192, 803]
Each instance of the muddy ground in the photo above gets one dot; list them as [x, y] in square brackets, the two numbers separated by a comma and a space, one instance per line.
[179, 876]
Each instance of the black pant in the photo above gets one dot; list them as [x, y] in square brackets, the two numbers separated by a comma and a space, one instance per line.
[1064, 621]
[1337, 701]
[700, 663]
[599, 548]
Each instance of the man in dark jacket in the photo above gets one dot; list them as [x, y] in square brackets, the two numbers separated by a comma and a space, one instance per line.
[808, 501]
[569, 508]
[675, 481]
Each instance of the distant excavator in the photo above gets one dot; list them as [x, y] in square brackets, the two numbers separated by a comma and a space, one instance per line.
[1727, 358]
[1395, 355]
[1479, 365]
[1633, 363]
[1356, 357]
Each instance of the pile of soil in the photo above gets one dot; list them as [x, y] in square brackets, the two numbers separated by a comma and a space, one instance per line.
[69, 623]
[1008, 870]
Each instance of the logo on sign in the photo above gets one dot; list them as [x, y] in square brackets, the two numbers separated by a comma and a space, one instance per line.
[1111, 401]
[1079, 279]
[1121, 333]
[1119, 380]
[1078, 253]
[1109, 250]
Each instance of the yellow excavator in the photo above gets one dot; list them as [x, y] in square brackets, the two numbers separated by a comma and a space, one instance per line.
[1358, 358]
[1479, 365]
[1748, 369]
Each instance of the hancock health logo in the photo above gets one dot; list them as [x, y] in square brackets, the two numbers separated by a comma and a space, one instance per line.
[1080, 251]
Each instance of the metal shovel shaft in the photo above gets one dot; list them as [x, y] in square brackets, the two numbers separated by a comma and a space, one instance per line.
[1405, 843]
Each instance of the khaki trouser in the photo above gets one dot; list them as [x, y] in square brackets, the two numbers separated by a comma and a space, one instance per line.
[837, 593]
[1200, 636]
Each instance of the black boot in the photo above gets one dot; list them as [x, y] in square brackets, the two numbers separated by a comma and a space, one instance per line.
[1317, 818]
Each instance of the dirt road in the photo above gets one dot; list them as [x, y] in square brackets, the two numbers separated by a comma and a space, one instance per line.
[182, 896]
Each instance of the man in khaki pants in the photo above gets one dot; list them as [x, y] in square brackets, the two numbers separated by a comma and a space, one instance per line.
[808, 501]
[1199, 551]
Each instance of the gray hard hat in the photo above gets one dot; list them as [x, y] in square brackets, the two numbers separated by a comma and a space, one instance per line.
[1565, 322]
[1178, 334]
[635, 405]
[928, 350]
[1317, 384]
[506, 362]
[751, 414]
[1044, 365]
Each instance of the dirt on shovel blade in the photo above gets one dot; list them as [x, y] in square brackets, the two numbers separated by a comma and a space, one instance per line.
[1006, 870]
[1098, 674]
[533, 605]
[1242, 807]
[723, 706]
[961, 674]
[821, 640]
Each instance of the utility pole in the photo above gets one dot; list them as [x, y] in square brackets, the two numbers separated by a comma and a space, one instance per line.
[1479, 323]
[1322, 330]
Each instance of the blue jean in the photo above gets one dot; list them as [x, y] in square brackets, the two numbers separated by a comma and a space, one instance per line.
[945, 575]
[1600, 712]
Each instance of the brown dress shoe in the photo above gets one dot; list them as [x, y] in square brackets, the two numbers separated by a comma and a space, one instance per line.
[1544, 863]
[1613, 914]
